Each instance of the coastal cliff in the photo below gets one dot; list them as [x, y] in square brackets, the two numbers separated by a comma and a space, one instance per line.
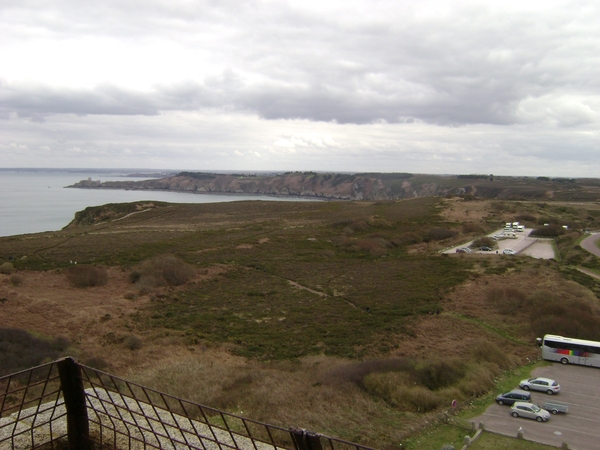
[294, 184]
[363, 186]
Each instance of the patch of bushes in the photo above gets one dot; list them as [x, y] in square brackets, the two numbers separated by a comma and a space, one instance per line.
[551, 230]
[408, 238]
[432, 374]
[15, 279]
[163, 270]
[353, 226]
[397, 390]
[484, 241]
[96, 363]
[375, 246]
[479, 379]
[573, 319]
[132, 343]
[20, 350]
[506, 300]
[525, 218]
[86, 276]
[7, 268]
[472, 228]
[486, 351]
[435, 375]
[438, 234]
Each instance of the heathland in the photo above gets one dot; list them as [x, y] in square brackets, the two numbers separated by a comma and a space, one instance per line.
[340, 317]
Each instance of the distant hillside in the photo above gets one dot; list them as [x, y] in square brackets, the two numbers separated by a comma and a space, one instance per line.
[365, 186]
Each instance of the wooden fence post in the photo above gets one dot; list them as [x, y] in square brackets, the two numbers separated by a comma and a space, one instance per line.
[78, 427]
[305, 440]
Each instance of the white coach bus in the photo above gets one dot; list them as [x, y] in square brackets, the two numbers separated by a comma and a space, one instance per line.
[570, 351]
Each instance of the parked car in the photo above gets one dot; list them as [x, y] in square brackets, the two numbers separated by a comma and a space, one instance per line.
[508, 251]
[463, 250]
[485, 249]
[516, 395]
[540, 384]
[530, 411]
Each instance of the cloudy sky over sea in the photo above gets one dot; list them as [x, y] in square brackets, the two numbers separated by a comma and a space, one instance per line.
[445, 86]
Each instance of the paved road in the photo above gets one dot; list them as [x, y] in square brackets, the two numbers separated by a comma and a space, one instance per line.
[589, 244]
[580, 427]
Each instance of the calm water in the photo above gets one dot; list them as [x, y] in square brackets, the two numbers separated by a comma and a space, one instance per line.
[37, 201]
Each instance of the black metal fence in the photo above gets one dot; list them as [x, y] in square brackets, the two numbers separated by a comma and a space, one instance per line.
[66, 405]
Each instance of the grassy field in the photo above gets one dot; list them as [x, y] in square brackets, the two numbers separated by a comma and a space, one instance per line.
[338, 317]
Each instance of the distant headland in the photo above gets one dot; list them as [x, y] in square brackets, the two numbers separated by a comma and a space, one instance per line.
[363, 186]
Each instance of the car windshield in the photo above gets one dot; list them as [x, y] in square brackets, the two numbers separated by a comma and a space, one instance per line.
[536, 408]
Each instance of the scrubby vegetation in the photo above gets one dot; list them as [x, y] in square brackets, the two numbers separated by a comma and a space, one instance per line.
[341, 317]
[86, 276]
[162, 270]
[20, 350]
[7, 268]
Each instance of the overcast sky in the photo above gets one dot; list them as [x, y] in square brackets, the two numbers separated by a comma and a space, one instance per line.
[507, 88]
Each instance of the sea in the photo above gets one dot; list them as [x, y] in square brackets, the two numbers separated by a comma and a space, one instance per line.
[37, 200]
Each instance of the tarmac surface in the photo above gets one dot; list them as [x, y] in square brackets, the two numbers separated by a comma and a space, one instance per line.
[579, 427]
[523, 244]
[589, 244]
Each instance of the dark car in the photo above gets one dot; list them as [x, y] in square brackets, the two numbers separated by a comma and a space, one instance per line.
[485, 249]
[516, 395]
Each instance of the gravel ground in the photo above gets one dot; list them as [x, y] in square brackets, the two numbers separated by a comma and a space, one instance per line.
[137, 425]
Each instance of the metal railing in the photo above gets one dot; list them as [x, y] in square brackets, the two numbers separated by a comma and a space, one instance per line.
[66, 405]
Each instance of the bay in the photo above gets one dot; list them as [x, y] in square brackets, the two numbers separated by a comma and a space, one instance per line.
[34, 201]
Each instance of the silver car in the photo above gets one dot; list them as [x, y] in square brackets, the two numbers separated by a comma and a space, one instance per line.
[540, 384]
[529, 411]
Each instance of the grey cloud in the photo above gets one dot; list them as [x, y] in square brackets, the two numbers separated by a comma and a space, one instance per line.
[39, 101]
[473, 67]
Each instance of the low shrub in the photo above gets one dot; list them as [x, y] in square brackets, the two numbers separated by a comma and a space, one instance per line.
[7, 268]
[86, 276]
[506, 300]
[435, 375]
[96, 363]
[20, 350]
[15, 279]
[526, 218]
[132, 343]
[375, 246]
[489, 352]
[438, 234]
[408, 238]
[484, 241]
[472, 228]
[163, 270]
[479, 379]
[575, 319]
[356, 373]
[398, 390]
[548, 231]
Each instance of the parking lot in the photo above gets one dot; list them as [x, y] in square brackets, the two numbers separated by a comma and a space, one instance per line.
[523, 244]
[579, 427]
